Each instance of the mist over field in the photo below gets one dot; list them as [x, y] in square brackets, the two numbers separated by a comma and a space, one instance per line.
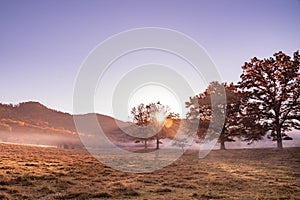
[46, 127]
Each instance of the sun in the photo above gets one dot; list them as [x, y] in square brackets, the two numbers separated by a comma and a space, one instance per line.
[153, 92]
[160, 117]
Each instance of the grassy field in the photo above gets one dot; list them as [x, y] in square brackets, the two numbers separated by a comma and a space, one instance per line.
[49, 173]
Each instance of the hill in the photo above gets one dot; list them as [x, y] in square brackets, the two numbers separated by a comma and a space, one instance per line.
[34, 123]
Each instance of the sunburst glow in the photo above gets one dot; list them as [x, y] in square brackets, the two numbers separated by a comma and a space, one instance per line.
[168, 123]
[154, 93]
[160, 117]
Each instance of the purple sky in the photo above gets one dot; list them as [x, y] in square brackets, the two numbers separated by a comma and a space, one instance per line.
[43, 43]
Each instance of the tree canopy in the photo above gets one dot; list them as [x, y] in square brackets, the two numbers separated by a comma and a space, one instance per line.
[152, 118]
[272, 93]
[234, 126]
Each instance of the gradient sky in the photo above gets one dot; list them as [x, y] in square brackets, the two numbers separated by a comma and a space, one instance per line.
[43, 43]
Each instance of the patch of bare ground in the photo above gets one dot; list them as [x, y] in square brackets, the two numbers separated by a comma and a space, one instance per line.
[49, 173]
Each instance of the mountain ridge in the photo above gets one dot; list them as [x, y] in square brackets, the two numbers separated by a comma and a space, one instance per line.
[28, 122]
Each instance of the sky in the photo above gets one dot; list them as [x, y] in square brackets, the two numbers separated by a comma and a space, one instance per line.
[44, 43]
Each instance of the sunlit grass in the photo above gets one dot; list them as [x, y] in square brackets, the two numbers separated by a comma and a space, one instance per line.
[50, 173]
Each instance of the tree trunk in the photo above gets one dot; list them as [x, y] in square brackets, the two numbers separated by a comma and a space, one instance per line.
[279, 138]
[222, 147]
[157, 142]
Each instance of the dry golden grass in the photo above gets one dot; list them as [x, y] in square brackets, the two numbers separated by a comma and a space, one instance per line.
[50, 173]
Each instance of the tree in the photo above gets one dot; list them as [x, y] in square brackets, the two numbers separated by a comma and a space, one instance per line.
[141, 117]
[158, 113]
[201, 108]
[272, 93]
[152, 118]
[234, 126]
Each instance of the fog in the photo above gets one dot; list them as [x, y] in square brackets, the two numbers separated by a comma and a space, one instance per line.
[42, 139]
[68, 141]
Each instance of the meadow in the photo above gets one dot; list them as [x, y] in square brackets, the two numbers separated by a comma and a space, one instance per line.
[30, 172]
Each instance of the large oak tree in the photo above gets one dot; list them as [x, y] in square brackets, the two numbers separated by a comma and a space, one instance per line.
[272, 93]
[234, 126]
